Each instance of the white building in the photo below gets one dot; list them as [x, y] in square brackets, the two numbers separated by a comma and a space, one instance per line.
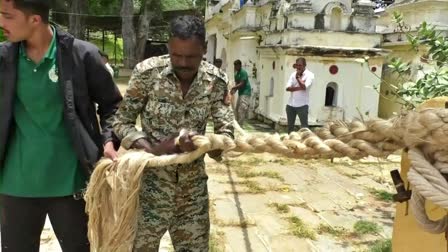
[337, 38]
[345, 44]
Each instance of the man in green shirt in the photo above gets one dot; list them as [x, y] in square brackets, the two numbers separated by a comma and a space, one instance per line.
[242, 85]
[49, 134]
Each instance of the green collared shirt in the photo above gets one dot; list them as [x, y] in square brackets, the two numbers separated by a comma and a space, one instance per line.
[243, 76]
[40, 160]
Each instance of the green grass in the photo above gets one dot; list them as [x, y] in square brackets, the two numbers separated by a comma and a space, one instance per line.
[250, 174]
[282, 188]
[285, 161]
[253, 187]
[384, 245]
[281, 208]
[334, 231]
[238, 163]
[366, 227]
[300, 229]
[381, 194]
[254, 161]
[216, 241]
[248, 162]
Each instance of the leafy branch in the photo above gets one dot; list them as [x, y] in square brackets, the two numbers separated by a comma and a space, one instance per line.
[428, 84]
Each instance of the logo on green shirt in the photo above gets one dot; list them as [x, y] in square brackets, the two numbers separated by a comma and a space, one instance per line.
[53, 75]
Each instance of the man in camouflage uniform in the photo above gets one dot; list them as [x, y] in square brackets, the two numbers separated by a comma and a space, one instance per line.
[170, 93]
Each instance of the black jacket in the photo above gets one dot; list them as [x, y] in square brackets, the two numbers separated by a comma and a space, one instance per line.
[84, 82]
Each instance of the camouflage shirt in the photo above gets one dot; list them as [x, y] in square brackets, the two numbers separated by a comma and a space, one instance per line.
[155, 94]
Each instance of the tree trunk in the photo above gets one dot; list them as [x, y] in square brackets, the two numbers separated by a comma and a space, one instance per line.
[127, 29]
[148, 14]
[76, 20]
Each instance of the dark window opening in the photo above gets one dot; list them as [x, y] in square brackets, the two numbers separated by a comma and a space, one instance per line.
[331, 95]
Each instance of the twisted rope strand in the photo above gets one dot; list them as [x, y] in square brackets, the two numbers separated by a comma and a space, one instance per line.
[112, 194]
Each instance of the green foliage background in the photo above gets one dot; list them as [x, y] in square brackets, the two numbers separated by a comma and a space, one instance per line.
[430, 83]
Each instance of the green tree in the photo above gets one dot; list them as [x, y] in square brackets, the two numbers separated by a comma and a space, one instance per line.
[135, 37]
[77, 19]
[104, 7]
[128, 32]
[419, 84]
[200, 6]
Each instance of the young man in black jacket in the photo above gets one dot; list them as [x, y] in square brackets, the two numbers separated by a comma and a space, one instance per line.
[50, 138]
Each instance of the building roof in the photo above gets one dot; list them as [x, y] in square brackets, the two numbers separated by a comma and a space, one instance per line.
[330, 51]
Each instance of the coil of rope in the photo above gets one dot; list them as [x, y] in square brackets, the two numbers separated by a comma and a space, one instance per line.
[112, 194]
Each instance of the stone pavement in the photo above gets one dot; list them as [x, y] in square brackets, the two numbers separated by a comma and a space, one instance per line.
[319, 193]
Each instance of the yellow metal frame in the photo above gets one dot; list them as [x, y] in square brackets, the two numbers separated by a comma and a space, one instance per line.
[407, 235]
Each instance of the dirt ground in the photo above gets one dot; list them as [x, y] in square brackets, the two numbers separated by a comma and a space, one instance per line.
[262, 202]
[269, 203]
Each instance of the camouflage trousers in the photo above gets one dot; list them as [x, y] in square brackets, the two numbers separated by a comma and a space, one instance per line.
[174, 198]
[242, 107]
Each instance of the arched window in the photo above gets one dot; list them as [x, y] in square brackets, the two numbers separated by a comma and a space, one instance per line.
[331, 94]
[336, 19]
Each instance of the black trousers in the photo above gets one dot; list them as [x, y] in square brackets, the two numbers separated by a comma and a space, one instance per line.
[291, 115]
[22, 221]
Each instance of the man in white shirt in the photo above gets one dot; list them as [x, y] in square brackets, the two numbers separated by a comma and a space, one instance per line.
[299, 84]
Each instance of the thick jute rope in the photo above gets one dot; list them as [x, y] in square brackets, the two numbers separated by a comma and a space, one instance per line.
[112, 194]
[428, 183]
